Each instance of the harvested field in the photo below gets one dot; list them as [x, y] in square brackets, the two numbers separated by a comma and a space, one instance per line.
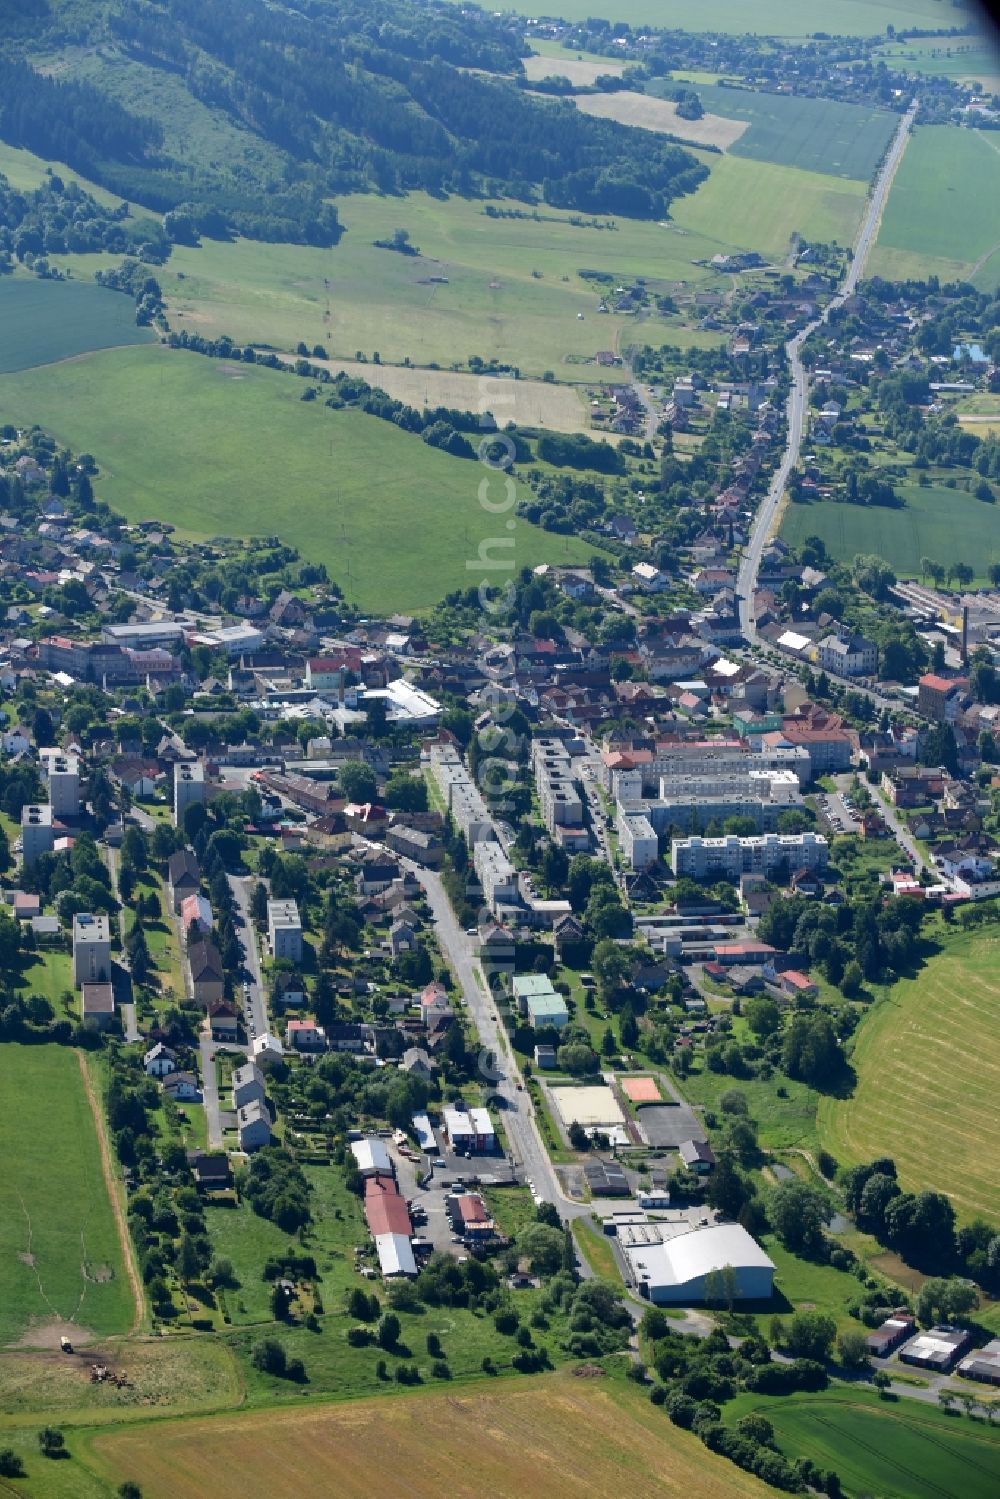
[529, 403]
[581, 74]
[564, 1437]
[937, 1036]
[647, 113]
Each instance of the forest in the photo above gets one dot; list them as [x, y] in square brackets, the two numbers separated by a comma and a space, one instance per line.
[348, 97]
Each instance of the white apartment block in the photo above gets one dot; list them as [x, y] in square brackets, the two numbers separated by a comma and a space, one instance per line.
[284, 930]
[496, 875]
[91, 949]
[37, 835]
[637, 839]
[556, 783]
[730, 857]
[62, 772]
[189, 787]
[461, 794]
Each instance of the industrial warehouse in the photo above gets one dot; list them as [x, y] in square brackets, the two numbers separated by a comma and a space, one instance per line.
[716, 1263]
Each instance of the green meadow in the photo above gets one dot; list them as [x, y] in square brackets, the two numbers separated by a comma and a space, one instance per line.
[759, 205]
[817, 135]
[902, 1449]
[943, 213]
[60, 1255]
[44, 321]
[947, 525]
[221, 449]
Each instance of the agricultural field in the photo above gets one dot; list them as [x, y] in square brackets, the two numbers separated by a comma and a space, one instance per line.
[936, 1036]
[961, 57]
[943, 213]
[650, 113]
[529, 403]
[816, 135]
[561, 1436]
[221, 449]
[580, 71]
[762, 205]
[45, 321]
[909, 1451]
[61, 1265]
[948, 525]
[764, 17]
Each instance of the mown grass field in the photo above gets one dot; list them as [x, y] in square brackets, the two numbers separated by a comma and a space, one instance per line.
[502, 288]
[559, 1436]
[927, 1059]
[44, 321]
[816, 135]
[943, 213]
[947, 525]
[60, 1256]
[760, 205]
[647, 112]
[903, 1449]
[219, 449]
[945, 57]
[764, 17]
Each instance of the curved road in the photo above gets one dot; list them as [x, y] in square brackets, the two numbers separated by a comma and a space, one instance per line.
[797, 396]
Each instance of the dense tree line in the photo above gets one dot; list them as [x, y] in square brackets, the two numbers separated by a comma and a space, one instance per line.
[346, 97]
[59, 218]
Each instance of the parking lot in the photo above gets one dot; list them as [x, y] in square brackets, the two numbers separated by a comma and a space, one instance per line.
[839, 811]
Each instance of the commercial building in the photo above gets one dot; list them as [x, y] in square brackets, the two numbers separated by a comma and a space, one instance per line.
[721, 1263]
[536, 998]
[91, 949]
[937, 1349]
[235, 640]
[189, 788]
[983, 1365]
[732, 856]
[147, 634]
[372, 1156]
[939, 698]
[893, 1332]
[37, 834]
[284, 930]
[62, 773]
[848, 655]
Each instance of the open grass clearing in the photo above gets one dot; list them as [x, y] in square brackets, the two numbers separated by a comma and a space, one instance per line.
[44, 321]
[783, 1121]
[760, 205]
[959, 57]
[558, 1435]
[505, 288]
[943, 213]
[596, 1249]
[529, 403]
[60, 1255]
[580, 71]
[649, 113]
[907, 1450]
[224, 449]
[948, 525]
[927, 1059]
[816, 135]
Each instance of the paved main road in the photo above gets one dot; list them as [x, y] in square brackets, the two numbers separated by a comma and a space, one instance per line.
[797, 396]
[255, 1001]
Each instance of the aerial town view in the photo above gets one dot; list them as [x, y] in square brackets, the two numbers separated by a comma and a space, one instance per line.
[499, 749]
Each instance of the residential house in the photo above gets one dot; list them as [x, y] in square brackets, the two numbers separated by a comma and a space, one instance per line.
[253, 1125]
[223, 1021]
[159, 1060]
[247, 1085]
[182, 1087]
[207, 976]
[303, 1035]
[97, 1004]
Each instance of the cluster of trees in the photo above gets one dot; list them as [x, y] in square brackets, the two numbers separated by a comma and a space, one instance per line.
[132, 277]
[276, 1188]
[920, 1226]
[698, 1376]
[440, 426]
[59, 218]
[863, 940]
[577, 450]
